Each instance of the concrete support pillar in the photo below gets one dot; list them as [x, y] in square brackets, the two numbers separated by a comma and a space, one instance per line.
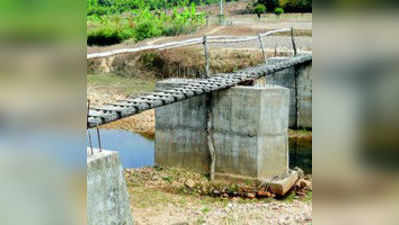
[251, 131]
[304, 95]
[285, 78]
[181, 136]
[250, 127]
[107, 197]
[299, 80]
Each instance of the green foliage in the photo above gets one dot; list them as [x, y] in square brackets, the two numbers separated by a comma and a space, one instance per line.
[141, 23]
[260, 9]
[298, 6]
[278, 11]
[271, 5]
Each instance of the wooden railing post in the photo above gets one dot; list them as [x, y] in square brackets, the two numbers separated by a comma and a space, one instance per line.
[293, 41]
[262, 46]
[206, 56]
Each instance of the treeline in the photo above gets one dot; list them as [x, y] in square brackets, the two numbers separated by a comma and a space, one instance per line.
[106, 7]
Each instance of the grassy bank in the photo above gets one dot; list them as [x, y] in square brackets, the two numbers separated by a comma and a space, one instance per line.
[126, 86]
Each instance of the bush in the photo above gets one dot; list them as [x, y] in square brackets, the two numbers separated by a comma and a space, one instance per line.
[297, 6]
[271, 5]
[278, 11]
[259, 9]
[140, 24]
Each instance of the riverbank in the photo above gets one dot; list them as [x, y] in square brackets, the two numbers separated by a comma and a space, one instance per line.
[178, 197]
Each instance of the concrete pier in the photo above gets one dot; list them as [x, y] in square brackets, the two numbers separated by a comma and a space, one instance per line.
[107, 197]
[299, 81]
[250, 128]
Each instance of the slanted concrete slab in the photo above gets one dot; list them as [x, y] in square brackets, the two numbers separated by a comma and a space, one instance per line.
[281, 185]
[107, 197]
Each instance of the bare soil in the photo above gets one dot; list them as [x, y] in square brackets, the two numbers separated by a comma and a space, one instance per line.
[170, 196]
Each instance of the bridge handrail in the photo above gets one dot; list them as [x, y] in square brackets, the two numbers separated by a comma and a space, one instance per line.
[185, 43]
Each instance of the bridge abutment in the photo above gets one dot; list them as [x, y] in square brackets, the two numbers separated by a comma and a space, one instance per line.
[107, 196]
[250, 131]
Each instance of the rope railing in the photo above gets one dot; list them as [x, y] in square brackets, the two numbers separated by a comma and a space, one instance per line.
[189, 42]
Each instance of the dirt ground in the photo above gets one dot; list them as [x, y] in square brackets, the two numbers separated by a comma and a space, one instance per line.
[170, 197]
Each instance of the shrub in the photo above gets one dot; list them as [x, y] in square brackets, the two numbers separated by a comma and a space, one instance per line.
[104, 36]
[259, 9]
[298, 6]
[271, 5]
[278, 11]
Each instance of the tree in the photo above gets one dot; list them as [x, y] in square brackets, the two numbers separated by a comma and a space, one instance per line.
[278, 11]
[271, 5]
[259, 10]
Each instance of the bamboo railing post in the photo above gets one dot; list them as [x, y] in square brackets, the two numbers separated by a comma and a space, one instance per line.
[293, 41]
[262, 46]
[206, 56]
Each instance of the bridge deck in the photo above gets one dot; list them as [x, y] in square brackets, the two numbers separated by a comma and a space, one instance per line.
[124, 108]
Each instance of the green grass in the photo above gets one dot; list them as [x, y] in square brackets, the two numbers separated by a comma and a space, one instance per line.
[123, 85]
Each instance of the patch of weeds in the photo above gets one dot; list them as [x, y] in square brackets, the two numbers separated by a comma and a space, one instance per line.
[167, 178]
[288, 198]
[205, 210]
[308, 197]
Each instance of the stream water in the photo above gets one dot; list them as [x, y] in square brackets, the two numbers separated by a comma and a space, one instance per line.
[136, 151]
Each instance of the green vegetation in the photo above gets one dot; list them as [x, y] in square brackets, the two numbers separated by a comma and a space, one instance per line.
[289, 6]
[259, 10]
[113, 21]
[278, 11]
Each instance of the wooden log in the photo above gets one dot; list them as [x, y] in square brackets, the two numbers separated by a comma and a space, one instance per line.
[293, 41]
[205, 39]
[262, 47]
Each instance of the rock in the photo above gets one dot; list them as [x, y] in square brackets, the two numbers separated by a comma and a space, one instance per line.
[190, 183]
[300, 172]
[264, 194]
[216, 192]
[251, 195]
[302, 183]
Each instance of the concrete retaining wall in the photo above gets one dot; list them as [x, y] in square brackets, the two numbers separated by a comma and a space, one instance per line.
[107, 198]
[250, 132]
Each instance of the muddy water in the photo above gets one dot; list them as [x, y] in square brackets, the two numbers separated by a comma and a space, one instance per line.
[137, 151]
[301, 153]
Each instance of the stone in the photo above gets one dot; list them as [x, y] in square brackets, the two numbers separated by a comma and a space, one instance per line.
[190, 183]
[264, 194]
[251, 195]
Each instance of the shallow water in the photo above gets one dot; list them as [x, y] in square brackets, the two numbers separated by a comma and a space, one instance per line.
[136, 151]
